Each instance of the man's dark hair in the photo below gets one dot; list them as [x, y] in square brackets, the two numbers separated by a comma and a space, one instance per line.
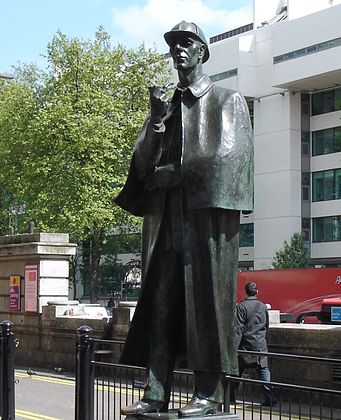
[251, 289]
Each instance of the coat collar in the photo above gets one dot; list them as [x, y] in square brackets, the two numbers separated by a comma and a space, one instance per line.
[199, 87]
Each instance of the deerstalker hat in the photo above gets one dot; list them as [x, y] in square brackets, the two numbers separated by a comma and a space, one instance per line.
[187, 29]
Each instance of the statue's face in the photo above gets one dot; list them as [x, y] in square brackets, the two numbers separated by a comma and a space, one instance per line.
[186, 52]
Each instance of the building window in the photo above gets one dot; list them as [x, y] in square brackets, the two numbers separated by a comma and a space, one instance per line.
[305, 149]
[307, 50]
[246, 235]
[305, 193]
[326, 141]
[224, 75]
[305, 105]
[305, 139]
[327, 101]
[305, 178]
[306, 228]
[327, 185]
[244, 267]
[305, 186]
[327, 229]
[231, 33]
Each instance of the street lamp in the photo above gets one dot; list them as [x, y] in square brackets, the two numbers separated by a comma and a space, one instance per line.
[6, 76]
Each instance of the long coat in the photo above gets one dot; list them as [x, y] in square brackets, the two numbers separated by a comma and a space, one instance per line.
[252, 325]
[216, 169]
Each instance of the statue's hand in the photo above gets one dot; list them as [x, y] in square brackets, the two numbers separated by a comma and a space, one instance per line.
[158, 103]
[167, 176]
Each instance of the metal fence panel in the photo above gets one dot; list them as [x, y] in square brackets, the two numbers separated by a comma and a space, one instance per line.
[116, 386]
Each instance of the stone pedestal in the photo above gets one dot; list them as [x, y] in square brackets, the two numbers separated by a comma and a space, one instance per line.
[128, 305]
[47, 252]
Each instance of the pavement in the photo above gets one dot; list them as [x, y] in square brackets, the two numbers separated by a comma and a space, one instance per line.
[44, 396]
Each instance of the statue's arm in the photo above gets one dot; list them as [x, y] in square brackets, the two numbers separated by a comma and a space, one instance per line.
[243, 148]
[149, 144]
[148, 147]
[147, 154]
[242, 116]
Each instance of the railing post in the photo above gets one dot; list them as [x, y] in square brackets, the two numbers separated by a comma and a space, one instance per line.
[229, 390]
[84, 404]
[7, 370]
[227, 394]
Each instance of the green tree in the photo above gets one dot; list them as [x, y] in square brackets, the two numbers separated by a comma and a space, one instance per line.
[66, 135]
[293, 255]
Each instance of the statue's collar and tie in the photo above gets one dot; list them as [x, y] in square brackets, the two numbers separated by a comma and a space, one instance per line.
[198, 88]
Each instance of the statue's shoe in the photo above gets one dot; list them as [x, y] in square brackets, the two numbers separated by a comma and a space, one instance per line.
[142, 407]
[198, 407]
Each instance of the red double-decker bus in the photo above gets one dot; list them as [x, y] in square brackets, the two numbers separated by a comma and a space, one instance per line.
[293, 291]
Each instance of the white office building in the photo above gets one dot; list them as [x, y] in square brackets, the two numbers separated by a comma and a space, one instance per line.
[287, 63]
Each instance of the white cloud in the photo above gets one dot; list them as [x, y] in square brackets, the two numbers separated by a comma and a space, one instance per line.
[147, 23]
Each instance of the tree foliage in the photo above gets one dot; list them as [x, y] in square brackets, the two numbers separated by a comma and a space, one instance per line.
[293, 255]
[66, 136]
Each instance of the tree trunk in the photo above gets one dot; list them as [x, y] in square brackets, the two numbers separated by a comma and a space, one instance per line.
[96, 246]
[75, 268]
[73, 262]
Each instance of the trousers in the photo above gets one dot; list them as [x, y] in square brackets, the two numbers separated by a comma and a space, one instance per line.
[191, 283]
[263, 374]
[169, 330]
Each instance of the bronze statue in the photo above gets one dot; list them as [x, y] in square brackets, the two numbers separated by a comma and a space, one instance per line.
[190, 176]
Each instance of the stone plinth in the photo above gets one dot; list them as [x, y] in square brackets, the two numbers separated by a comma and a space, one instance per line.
[48, 252]
[32, 244]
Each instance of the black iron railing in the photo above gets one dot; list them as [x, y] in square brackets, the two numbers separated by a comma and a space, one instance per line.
[115, 386]
[104, 387]
[84, 395]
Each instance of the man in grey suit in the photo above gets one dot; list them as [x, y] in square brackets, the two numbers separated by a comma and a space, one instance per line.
[190, 176]
[252, 326]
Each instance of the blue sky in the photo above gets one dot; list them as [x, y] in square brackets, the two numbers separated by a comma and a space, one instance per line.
[26, 26]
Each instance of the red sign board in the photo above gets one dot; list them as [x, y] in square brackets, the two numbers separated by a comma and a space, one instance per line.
[14, 293]
[31, 288]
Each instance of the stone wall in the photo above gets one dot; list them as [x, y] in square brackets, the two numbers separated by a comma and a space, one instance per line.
[308, 340]
[48, 341]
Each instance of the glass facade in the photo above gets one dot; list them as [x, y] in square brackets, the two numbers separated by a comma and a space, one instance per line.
[326, 101]
[305, 138]
[231, 33]
[125, 243]
[327, 185]
[311, 49]
[224, 75]
[306, 228]
[326, 141]
[246, 235]
[327, 229]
